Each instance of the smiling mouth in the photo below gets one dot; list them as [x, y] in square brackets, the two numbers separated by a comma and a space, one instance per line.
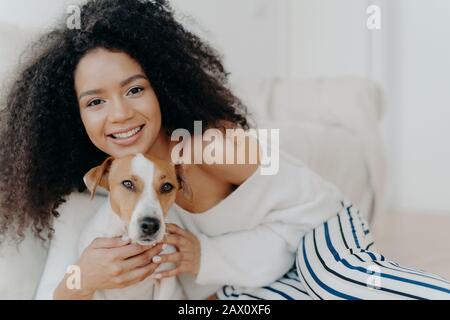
[128, 134]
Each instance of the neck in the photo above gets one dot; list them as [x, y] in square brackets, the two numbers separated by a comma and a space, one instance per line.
[161, 147]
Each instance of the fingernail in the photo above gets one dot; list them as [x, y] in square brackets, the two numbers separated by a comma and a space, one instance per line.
[164, 246]
[156, 276]
[156, 259]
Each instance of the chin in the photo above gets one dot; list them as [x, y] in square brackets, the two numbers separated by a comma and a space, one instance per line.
[126, 151]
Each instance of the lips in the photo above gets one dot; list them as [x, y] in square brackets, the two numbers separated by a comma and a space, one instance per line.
[126, 133]
[127, 136]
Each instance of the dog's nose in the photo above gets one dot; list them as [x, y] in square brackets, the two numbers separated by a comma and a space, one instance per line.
[149, 226]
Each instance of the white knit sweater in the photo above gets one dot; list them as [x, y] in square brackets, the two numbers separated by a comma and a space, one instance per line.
[250, 238]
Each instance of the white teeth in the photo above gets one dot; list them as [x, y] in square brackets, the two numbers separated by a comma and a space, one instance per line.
[128, 134]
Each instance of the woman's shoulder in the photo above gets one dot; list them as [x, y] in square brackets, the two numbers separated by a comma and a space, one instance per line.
[271, 169]
[245, 163]
[280, 167]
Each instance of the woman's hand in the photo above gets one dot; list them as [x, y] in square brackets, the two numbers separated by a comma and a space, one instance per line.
[187, 257]
[109, 263]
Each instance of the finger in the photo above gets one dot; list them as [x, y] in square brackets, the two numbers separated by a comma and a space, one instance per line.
[107, 243]
[140, 260]
[176, 258]
[136, 275]
[168, 273]
[176, 241]
[175, 229]
[133, 250]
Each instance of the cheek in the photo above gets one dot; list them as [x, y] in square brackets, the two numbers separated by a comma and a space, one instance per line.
[93, 124]
[150, 108]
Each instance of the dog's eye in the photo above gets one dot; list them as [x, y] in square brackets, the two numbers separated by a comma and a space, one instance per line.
[128, 184]
[166, 187]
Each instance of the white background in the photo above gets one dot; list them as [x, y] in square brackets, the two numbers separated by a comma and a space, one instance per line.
[409, 56]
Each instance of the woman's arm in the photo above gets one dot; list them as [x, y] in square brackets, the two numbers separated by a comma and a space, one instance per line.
[62, 292]
[251, 258]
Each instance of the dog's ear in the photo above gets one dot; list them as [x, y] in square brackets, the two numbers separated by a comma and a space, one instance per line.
[187, 192]
[98, 176]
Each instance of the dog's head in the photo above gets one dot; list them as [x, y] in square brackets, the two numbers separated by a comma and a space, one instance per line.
[142, 189]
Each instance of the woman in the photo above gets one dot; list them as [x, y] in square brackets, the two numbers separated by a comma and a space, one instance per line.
[121, 85]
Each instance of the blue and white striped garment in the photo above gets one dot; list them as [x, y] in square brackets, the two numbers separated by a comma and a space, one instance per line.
[338, 260]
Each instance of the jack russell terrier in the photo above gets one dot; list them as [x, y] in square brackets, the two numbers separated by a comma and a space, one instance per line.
[141, 191]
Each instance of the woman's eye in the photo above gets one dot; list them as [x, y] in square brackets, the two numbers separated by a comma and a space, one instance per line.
[166, 187]
[135, 90]
[128, 184]
[95, 102]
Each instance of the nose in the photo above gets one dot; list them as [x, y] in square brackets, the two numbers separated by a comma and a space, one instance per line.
[149, 226]
[121, 111]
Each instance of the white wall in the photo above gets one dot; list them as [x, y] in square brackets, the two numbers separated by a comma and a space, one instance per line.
[420, 91]
[329, 38]
[287, 38]
[251, 34]
[21, 22]
[29, 13]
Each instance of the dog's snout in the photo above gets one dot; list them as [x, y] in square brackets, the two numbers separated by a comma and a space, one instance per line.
[149, 226]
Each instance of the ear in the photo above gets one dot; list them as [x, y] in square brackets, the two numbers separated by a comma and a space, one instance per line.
[98, 176]
[187, 192]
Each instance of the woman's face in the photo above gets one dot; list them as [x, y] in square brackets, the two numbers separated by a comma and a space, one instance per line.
[118, 107]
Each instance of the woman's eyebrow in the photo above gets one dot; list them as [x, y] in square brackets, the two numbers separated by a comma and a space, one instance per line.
[89, 92]
[131, 79]
[122, 84]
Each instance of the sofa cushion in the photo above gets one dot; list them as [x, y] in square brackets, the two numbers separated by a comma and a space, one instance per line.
[333, 152]
[21, 267]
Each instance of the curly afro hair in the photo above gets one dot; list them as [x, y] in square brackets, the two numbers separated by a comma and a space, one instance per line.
[44, 149]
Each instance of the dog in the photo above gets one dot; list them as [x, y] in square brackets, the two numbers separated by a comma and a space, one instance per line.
[141, 191]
